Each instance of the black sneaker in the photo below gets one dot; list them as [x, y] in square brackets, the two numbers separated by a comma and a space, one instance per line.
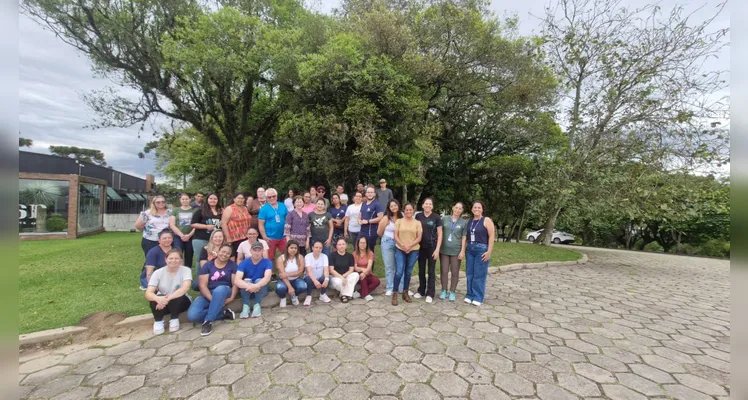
[207, 329]
[273, 278]
[229, 314]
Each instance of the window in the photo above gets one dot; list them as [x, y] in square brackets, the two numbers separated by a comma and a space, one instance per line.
[90, 215]
[42, 206]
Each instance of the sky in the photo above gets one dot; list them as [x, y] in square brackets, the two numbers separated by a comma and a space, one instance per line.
[54, 77]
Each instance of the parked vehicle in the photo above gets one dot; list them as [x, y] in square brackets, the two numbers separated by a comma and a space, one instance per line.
[558, 236]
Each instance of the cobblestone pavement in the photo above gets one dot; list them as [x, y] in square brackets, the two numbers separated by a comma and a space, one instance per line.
[624, 326]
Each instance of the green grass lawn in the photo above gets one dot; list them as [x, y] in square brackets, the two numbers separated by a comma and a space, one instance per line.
[62, 281]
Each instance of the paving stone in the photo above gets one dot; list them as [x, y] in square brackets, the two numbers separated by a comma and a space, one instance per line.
[407, 354]
[57, 386]
[413, 372]
[449, 384]
[227, 374]
[323, 363]
[351, 372]
[317, 384]
[515, 353]
[495, 362]
[251, 385]
[121, 387]
[419, 391]
[607, 363]
[594, 373]
[579, 385]
[167, 375]
[186, 386]
[40, 364]
[514, 384]
[639, 384]
[190, 356]
[350, 391]
[700, 384]
[534, 372]
[474, 373]
[107, 375]
[438, 362]
[651, 373]
[94, 365]
[79, 393]
[357, 354]
[379, 346]
[382, 363]
[45, 375]
[383, 383]
[680, 392]
[618, 392]
[136, 356]
[265, 363]
[663, 363]
[149, 366]
[172, 349]
[553, 392]
[211, 393]
[81, 356]
[487, 392]
[145, 393]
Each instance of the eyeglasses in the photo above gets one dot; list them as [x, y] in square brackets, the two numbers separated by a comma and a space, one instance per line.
[160, 202]
[271, 197]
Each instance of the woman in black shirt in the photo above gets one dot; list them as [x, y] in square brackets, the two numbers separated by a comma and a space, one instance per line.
[343, 278]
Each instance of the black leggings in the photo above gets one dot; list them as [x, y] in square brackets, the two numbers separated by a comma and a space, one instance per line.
[424, 257]
[173, 308]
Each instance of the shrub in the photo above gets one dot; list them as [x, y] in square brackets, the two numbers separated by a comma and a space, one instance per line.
[654, 247]
[56, 223]
[715, 248]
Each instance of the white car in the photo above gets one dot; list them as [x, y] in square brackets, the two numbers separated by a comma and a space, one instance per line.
[558, 236]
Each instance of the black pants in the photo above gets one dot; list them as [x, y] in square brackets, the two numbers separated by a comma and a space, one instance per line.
[147, 245]
[424, 256]
[173, 308]
[187, 250]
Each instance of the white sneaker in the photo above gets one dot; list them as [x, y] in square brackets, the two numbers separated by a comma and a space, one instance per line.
[173, 325]
[476, 303]
[356, 295]
[429, 299]
[324, 298]
[416, 296]
[308, 300]
[368, 297]
[409, 293]
[295, 300]
[468, 301]
[388, 293]
[283, 302]
[158, 327]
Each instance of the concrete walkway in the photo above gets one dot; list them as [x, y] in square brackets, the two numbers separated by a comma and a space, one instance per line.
[624, 326]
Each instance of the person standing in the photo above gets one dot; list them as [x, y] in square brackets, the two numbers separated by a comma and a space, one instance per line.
[254, 207]
[217, 290]
[321, 195]
[344, 199]
[313, 194]
[181, 221]
[408, 232]
[429, 251]
[205, 220]
[343, 276]
[386, 231]
[339, 190]
[360, 188]
[371, 213]
[252, 278]
[288, 202]
[309, 204]
[351, 226]
[152, 222]
[235, 221]
[384, 194]
[321, 225]
[272, 218]
[167, 291]
[452, 250]
[337, 211]
[297, 226]
[199, 196]
[481, 233]
[363, 259]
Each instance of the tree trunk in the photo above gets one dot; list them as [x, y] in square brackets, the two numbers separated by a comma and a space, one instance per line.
[547, 235]
[521, 225]
[405, 194]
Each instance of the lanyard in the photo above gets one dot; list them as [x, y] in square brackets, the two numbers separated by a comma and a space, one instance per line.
[452, 226]
[474, 224]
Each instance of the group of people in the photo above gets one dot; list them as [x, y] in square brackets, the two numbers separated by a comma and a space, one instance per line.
[236, 249]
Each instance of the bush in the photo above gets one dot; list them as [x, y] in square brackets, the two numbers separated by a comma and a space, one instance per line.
[715, 248]
[56, 223]
[654, 247]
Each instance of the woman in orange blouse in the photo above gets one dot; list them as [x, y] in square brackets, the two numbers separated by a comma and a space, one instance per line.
[364, 265]
[235, 222]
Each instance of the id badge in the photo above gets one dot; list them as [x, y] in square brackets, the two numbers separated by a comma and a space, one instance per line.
[449, 239]
[277, 218]
[472, 237]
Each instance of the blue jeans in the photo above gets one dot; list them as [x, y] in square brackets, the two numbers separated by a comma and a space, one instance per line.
[197, 247]
[257, 296]
[476, 271]
[310, 285]
[298, 285]
[201, 310]
[405, 263]
[388, 257]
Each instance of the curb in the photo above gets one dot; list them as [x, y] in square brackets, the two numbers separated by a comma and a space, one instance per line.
[517, 267]
[147, 319]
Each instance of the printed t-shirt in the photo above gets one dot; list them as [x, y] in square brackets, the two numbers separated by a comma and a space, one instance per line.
[429, 225]
[198, 218]
[218, 276]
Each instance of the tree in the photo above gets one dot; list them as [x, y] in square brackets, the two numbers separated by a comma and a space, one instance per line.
[632, 90]
[23, 142]
[91, 156]
[221, 70]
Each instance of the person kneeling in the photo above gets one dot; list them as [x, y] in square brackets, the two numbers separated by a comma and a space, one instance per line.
[216, 291]
[167, 292]
[252, 278]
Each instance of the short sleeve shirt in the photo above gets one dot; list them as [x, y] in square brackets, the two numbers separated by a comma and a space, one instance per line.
[341, 264]
[218, 276]
[430, 225]
[167, 283]
[338, 213]
[317, 265]
[154, 224]
[184, 219]
[320, 225]
[254, 271]
[275, 219]
[245, 247]
[370, 211]
[155, 258]
[362, 262]
[408, 231]
[352, 213]
[199, 218]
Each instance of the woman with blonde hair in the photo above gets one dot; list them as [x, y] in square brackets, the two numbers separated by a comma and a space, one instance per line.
[152, 222]
[210, 251]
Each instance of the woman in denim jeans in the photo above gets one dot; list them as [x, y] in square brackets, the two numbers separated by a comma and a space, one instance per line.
[386, 231]
[480, 240]
[408, 233]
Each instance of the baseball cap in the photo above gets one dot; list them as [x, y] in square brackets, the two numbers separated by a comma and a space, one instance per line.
[257, 245]
[320, 188]
[382, 180]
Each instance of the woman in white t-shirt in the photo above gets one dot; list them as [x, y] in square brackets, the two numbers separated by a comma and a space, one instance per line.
[317, 274]
[245, 251]
[167, 292]
[352, 227]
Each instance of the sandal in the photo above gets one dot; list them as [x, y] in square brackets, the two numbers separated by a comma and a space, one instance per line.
[344, 299]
